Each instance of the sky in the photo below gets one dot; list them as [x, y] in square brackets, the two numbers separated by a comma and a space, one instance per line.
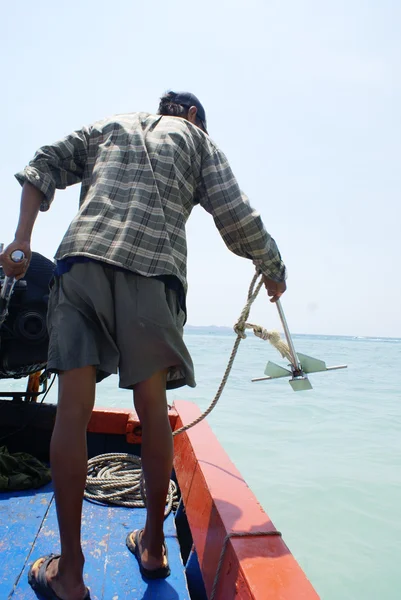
[304, 99]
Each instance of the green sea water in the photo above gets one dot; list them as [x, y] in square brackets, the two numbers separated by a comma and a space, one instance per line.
[326, 463]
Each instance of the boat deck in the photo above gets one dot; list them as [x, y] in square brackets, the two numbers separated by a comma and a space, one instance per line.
[226, 540]
[29, 530]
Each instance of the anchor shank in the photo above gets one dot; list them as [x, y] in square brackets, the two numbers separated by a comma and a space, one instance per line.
[295, 362]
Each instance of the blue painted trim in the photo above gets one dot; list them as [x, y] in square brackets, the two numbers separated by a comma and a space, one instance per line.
[194, 577]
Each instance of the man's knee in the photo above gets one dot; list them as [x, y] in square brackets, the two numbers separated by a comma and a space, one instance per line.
[152, 391]
[77, 394]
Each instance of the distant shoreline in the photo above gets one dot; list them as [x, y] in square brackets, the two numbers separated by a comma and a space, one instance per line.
[229, 331]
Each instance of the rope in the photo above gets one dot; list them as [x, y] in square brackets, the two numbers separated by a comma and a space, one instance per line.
[117, 478]
[272, 336]
[228, 537]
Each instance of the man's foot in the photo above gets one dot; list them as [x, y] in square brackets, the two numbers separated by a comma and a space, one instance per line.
[44, 578]
[151, 566]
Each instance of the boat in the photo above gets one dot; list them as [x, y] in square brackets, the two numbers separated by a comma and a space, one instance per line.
[221, 543]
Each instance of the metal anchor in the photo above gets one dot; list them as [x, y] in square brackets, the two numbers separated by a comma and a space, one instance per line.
[300, 365]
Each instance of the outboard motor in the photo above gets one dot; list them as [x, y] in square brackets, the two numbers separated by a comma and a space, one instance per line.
[23, 310]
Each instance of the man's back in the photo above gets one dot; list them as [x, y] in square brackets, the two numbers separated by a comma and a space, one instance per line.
[139, 174]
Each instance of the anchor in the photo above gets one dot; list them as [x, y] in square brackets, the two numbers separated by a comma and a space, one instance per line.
[300, 365]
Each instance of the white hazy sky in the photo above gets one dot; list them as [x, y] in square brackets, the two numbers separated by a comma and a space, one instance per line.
[304, 99]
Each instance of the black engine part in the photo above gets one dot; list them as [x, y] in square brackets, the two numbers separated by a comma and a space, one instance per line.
[23, 335]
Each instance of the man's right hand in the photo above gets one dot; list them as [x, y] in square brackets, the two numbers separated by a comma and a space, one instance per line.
[274, 288]
[11, 268]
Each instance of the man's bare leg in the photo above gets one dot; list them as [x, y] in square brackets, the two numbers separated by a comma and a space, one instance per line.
[68, 457]
[157, 463]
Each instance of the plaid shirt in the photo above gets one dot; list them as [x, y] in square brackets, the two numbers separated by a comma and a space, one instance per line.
[141, 176]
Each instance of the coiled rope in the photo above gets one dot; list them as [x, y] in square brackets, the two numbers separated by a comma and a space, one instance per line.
[117, 478]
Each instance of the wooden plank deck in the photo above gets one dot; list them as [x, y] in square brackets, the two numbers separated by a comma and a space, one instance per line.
[111, 572]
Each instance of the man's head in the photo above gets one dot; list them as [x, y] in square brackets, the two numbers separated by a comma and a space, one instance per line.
[185, 105]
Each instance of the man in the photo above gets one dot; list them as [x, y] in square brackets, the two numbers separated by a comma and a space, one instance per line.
[118, 298]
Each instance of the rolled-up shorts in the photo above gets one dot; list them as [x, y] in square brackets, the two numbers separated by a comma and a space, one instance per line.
[119, 322]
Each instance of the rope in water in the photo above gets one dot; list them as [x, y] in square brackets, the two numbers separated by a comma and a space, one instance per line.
[117, 478]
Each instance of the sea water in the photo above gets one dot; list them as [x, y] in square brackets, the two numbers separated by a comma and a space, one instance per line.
[325, 464]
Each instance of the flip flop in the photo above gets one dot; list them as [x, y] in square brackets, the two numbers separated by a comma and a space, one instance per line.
[161, 572]
[39, 582]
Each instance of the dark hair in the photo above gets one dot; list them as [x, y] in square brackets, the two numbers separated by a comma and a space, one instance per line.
[170, 108]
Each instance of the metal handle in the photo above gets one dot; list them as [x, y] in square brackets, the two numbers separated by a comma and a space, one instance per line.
[17, 256]
[8, 285]
[295, 362]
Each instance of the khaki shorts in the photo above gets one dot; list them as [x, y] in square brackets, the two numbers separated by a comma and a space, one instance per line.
[118, 322]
